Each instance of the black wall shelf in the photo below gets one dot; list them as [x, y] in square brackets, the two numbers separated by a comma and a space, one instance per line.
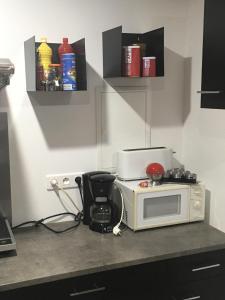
[30, 48]
[113, 41]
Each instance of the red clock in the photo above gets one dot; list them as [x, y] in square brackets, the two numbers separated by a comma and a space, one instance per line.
[155, 169]
[155, 172]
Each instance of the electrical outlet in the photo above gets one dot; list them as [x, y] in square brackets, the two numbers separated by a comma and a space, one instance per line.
[67, 180]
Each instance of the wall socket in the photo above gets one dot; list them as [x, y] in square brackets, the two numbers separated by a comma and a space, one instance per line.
[66, 180]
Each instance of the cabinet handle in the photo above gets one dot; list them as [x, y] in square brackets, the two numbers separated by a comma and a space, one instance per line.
[193, 298]
[100, 289]
[206, 267]
[209, 92]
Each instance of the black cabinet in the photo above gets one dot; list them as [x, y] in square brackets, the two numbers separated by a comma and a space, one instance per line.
[30, 50]
[90, 287]
[196, 267]
[133, 283]
[114, 40]
[138, 282]
[199, 276]
[213, 63]
[211, 289]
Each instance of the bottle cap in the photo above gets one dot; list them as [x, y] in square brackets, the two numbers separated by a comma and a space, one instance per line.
[65, 40]
[43, 39]
[54, 65]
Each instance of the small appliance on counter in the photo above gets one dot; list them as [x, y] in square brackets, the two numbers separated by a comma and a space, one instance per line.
[6, 70]
[161, 205]
[100, 211]
[170, 196]
[7, 241]
[132, 163]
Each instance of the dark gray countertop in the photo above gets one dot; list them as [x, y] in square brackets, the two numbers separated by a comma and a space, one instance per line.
[43, 256]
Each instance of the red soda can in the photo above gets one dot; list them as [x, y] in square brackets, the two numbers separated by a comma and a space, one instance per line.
[149, 66]
[132, 61]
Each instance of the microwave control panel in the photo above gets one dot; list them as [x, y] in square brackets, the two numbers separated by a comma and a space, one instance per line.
[197, 202]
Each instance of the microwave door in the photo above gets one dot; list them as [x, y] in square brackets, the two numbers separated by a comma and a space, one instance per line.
[162, 208]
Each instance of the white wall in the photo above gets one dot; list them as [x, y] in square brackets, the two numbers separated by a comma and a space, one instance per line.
[204, 129]
[50, 134]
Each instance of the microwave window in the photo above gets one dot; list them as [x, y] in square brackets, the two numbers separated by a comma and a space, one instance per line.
[162, 206]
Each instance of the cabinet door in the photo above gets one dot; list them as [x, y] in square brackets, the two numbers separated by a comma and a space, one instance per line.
[212, 289]
[47, 293]
[196, 267]
[39, 292]
[137, 283]
[90, 287]
[213, 63]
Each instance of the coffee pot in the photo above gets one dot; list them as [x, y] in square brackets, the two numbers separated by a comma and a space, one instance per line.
[99, 208]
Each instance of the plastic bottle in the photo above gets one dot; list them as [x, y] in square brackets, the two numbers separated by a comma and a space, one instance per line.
[64, 48]
[69, 72]
[44, 56]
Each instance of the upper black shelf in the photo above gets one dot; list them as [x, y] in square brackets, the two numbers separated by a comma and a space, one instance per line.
[30, 48]
[114, 40]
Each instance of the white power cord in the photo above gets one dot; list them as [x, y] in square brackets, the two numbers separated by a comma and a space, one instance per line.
[55, 185]
[116, 228]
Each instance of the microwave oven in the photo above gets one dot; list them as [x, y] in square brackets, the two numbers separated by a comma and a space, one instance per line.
[167, 204]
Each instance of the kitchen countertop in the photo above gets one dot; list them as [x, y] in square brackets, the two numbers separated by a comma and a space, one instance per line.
[43, 256]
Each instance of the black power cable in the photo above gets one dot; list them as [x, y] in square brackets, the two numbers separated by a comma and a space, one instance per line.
[78, 182]
[77, 219]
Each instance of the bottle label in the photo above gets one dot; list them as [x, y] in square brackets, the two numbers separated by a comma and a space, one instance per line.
[69, 72]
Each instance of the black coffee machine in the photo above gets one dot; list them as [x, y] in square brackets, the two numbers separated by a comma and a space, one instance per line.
[99, 210]
[7, 240]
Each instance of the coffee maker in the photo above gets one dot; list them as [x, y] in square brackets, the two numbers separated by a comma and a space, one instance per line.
[100, 212]
[7, 240]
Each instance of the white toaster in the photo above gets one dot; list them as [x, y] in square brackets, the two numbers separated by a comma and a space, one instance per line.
[132, 163]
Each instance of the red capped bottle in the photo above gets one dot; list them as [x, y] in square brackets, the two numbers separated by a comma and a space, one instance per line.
[64, 48]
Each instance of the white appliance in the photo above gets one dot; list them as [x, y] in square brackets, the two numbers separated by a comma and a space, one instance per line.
[132, 163]
[167, 204]
[6, 70]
